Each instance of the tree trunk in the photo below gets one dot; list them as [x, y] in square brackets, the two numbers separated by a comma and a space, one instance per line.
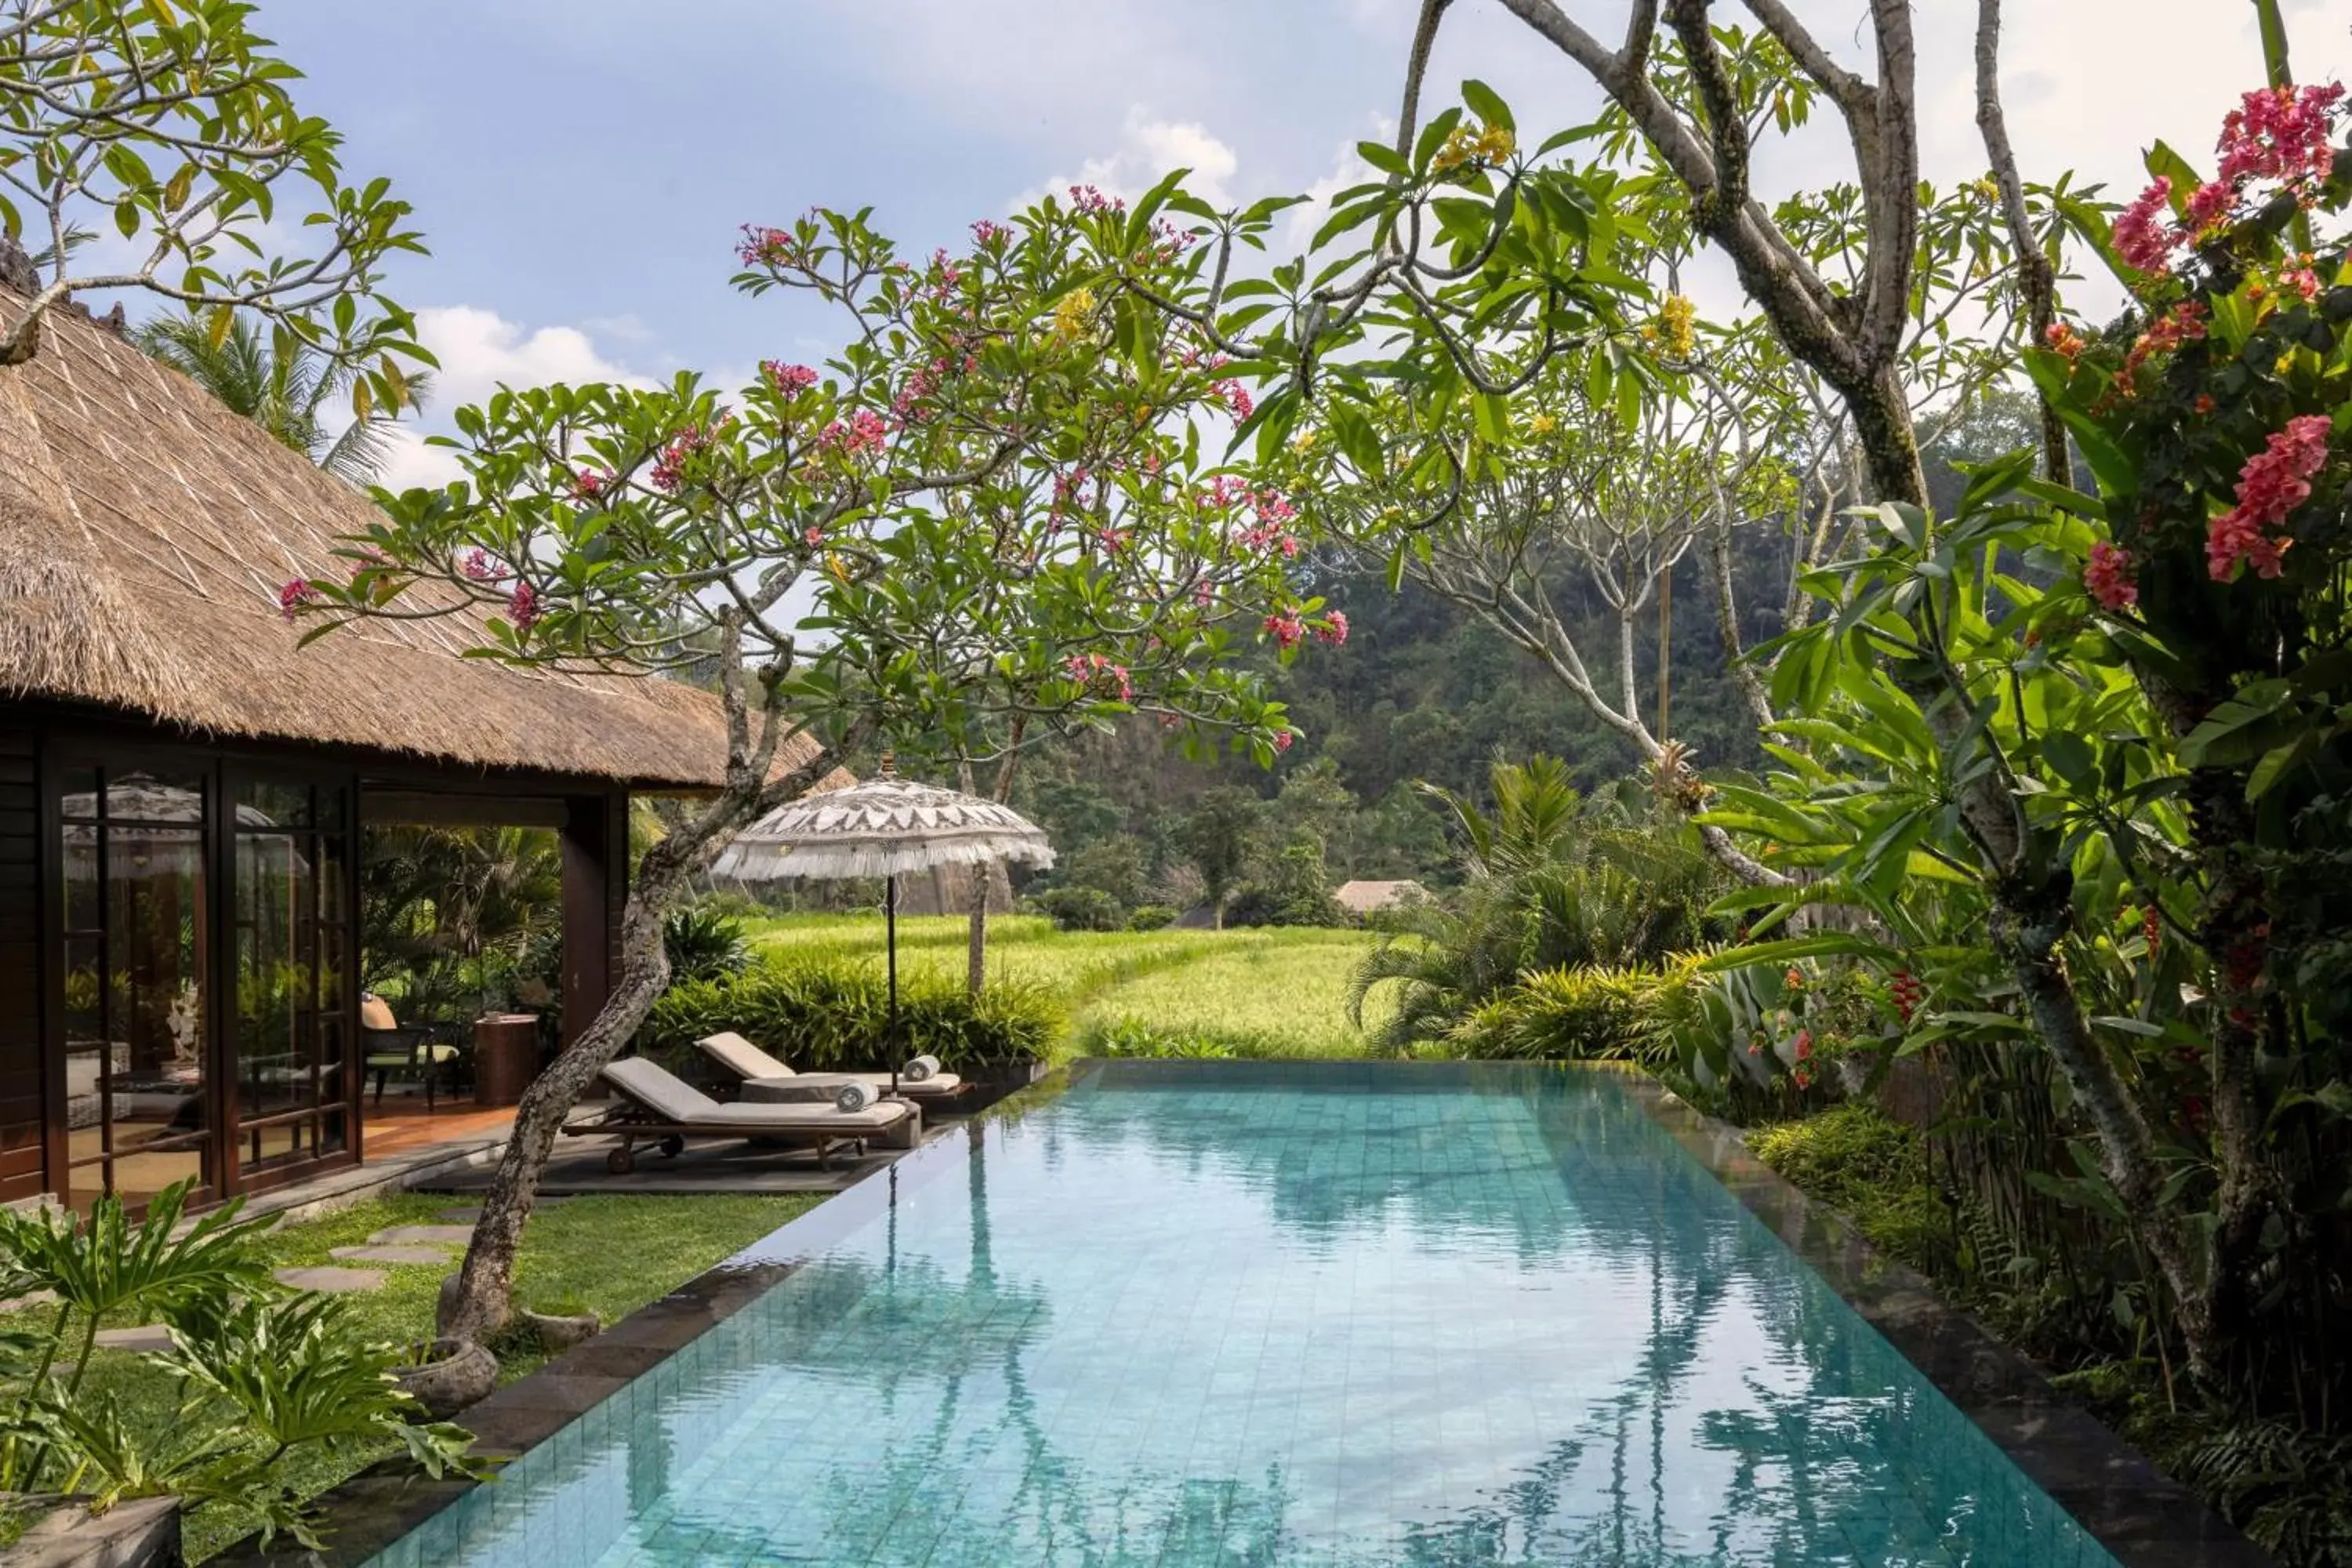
[478, 1300]
[976, 936]
[477, 1303]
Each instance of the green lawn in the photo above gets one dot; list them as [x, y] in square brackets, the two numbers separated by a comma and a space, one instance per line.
[568, 1265]
[1259, 992]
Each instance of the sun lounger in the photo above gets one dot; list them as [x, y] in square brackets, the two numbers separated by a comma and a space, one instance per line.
[655, 1107]
[748, 1062]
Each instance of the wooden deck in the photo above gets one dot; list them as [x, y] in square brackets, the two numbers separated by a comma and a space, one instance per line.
[403, 1127]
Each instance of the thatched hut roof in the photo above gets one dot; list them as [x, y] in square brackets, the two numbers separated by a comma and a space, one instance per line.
[1360, 898]
[144, 533]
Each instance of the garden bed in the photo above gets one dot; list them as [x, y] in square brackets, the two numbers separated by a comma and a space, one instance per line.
[566, 1266]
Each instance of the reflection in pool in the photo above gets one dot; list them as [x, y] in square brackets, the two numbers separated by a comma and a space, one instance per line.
[1192, 1316]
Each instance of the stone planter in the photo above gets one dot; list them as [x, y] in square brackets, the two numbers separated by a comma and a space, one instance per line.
[555, 1333]
[141, 1535]
[459, 1375]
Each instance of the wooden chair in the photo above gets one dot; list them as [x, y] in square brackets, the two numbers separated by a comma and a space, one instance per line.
[391, 1046]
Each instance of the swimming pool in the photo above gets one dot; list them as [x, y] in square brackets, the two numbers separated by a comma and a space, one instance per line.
[1182, 1316]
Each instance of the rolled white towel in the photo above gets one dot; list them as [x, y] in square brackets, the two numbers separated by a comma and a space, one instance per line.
[918, 1070]
[854, 1097]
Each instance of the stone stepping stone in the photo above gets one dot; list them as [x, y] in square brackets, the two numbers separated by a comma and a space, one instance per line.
[333, 1278]
[463, 1217]
[432, 1256]
[422, 1236]
[149, 1336]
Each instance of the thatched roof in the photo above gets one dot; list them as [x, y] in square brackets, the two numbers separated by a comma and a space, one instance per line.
[1371, 898]
[144, 533]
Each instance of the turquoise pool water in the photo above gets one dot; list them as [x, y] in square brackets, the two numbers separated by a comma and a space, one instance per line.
[1188, 1318]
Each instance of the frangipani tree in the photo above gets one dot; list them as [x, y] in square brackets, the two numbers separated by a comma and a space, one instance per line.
[168, 127]
[988, 518]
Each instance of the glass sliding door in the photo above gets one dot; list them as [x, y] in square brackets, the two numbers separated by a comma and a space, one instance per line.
[291, 959]
[136, 903]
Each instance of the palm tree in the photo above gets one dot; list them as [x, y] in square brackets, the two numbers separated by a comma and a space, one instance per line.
[284, 385]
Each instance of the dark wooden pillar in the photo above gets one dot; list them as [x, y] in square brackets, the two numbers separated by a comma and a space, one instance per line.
[596, 886]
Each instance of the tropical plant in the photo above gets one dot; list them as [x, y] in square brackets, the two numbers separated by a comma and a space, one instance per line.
[285, 385]
[264, 1377]
[1581, 1013]
[705, 943]
[826, 1016]
[1551, 881]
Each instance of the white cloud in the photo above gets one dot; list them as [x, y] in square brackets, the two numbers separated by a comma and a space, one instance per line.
[1147, 149]
[1348, 170]
[481, 350]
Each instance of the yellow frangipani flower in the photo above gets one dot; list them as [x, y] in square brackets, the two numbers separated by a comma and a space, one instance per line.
[1676, 319]
[1070, 315]
[1487, 144]
[1303, 440]
[1543, 425]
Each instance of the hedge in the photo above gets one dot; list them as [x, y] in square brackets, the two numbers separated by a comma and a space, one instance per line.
[830, 1015]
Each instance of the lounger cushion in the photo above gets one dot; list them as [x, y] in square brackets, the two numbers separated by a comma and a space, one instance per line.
[752, 1065]
[740, 1057]
[681, 1104]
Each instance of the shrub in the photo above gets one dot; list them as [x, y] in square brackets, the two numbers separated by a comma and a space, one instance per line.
[704, 943]
[1872, 1169]
[823, 1015]
[1080, 909]
[1587, 1013]
[1152, 917]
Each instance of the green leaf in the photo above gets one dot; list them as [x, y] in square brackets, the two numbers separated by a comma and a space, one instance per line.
[2070, 758]
[1814, 945]
[2164, 164]
[2277, 762]
[1487, 104]
[1384, 158]
[1494, 417]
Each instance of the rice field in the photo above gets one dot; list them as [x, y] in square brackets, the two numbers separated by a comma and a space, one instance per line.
[1262, 992]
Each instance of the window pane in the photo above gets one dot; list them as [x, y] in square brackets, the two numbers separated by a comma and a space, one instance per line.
[261, 803]
[331, 882]
[277, 983]
[155, 796]
[82, 908]
[154, 1014]
[81, 793]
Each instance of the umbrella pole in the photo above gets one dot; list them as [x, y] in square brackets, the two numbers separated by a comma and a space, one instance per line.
[890, 926]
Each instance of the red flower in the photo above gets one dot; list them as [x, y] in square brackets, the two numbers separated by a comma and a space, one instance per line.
[2108, 576]
[2281, 133]
[1334, 629]
[2144, 244]
[1285, 628]
[1282, 739]
[1804, 1045]
[2274, 481]
[522, 607]
[790, 380]
[293, 597]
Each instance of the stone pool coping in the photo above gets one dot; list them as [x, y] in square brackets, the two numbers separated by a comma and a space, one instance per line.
[2143, 1517]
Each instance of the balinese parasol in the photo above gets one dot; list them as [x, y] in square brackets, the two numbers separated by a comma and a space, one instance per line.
[885, 827]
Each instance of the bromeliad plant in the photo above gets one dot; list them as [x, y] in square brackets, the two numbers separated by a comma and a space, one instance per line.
[988, 519]
[263, 1377]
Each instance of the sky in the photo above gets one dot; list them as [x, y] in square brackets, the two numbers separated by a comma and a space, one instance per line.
[579, 167]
